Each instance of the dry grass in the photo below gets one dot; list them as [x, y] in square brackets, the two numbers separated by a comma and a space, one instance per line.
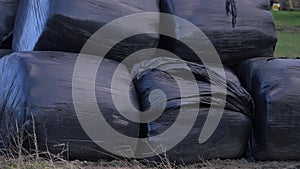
[30, 162]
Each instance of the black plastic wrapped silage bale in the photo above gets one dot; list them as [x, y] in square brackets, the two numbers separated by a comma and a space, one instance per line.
[36, 96]
[55, 25]
[274, 86]
[253, 36]
[229, 140]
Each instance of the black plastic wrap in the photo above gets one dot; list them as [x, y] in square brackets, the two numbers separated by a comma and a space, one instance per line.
[233, 132]
[274, 86]
[66, 25]
[8, 9]
[4, 52]
[253, 36]
[36, 95]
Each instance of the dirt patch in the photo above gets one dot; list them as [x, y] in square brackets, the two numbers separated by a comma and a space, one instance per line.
[289, 29]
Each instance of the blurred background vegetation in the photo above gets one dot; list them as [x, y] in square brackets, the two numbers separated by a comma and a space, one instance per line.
[287, 21]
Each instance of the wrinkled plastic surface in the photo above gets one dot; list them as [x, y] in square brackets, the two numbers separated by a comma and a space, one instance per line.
[274, 86]
[30, 22]
[8, 9]
[253, 36]
[4, 52]
[67, 25]
[231, 137]
[36, 90]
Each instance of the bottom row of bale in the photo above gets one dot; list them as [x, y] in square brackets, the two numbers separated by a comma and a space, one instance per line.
[37, 99]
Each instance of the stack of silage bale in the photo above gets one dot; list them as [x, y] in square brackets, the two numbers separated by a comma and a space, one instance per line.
[37, 88]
